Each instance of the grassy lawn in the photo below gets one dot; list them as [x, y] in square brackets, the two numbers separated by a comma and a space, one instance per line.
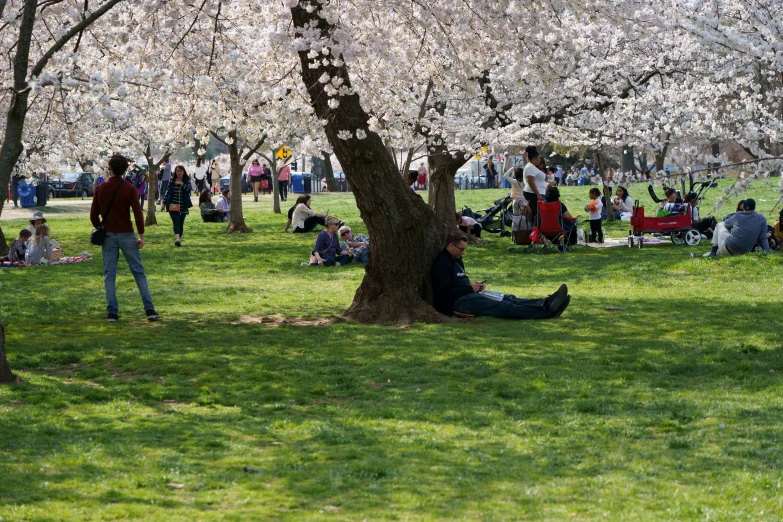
[667, 409]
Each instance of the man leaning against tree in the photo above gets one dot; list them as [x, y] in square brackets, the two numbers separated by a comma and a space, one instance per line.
[119, 234]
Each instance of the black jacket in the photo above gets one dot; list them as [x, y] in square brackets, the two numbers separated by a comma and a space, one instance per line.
[449, 282]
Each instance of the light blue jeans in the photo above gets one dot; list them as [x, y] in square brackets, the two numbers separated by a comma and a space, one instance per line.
[111, 247]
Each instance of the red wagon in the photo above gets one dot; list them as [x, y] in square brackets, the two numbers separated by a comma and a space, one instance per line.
[679, 227]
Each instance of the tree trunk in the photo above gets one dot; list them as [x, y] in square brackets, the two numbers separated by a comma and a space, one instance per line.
[152, 189]
[627, 163]
[660, 155]
[236, 221]
[152, 194]
[443, 167]
[331, 183]
[405, 233]
[715, 152]
[17, 110]
[6, 376]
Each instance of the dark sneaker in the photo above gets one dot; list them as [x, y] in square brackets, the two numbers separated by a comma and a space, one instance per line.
[177, 243]
[555, 301]
[557, 313]
[113, 318]
[152, 315]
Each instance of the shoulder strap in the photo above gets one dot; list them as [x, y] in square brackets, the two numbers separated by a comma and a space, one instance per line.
[111, 203]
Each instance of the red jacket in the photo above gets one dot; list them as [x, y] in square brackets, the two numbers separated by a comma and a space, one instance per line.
[127, 199]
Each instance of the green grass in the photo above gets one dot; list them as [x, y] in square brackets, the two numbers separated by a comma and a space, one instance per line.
[668, 409]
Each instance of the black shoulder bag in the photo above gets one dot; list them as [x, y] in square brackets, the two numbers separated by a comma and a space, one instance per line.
[98, 235]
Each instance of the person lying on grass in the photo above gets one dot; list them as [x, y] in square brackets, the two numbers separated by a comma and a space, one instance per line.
[327, 246]
[454, 294]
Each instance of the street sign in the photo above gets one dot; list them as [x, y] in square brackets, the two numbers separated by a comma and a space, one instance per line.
[284, 153]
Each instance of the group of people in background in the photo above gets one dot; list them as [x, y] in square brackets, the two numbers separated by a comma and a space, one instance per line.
[32, 246]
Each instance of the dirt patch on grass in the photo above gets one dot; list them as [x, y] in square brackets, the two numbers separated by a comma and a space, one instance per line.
[280, 320]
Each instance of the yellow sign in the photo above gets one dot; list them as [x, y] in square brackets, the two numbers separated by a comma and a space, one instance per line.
[284, 153]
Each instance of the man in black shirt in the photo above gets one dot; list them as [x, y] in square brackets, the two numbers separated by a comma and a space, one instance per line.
[456, 295]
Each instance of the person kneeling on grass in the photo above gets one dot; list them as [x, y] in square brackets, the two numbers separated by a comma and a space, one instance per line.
[454, 294]
[468, 225]
[327, 246]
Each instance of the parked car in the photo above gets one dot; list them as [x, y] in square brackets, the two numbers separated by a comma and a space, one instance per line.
[466, 179]
[225, 183]
[72, 184]
[339, 177]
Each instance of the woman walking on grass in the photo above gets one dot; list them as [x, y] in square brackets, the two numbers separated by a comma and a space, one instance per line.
[178, 201]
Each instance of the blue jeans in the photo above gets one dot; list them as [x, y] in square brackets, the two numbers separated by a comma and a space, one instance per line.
[110, 249]
[178, 220]
[510, 307]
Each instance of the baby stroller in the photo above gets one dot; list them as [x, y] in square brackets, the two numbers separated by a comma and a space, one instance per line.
[486, 217]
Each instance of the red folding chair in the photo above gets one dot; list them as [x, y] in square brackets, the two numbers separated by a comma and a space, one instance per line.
[551, 232]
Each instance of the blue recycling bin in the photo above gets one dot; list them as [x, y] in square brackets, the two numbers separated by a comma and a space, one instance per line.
[26, 193]
[297, 183]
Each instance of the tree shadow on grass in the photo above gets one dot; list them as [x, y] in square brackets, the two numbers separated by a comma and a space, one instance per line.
[501, 403]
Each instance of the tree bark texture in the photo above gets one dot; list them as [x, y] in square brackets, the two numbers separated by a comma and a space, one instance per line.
[405, 233]
[236, 221]
[17, 110]
[152, 188]
[660, 155]
[6, 376]
[328, 171]
[443, 167]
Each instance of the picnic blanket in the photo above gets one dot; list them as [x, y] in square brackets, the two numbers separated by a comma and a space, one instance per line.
[84, 256]
[623, 241]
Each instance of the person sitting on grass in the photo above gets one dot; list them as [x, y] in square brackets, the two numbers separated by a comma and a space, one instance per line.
[39, 249]
[468, 225]
[305, 219]
[18, 248]
[360, 244]
[327, 246]
[37, 220]
[223, 204]
[410, 179]
[740, 233]
[209, 214]
[454, 294]
[622, 203]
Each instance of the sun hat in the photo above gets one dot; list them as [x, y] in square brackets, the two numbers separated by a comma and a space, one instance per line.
[36, 216]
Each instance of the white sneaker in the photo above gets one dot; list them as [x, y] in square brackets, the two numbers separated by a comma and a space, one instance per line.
[304, 264]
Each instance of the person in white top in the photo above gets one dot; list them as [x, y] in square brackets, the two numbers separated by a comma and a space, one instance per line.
[621, 202]
[468, 225]
[516, 179]
[305, 219]
[200, 174]
[535, 180]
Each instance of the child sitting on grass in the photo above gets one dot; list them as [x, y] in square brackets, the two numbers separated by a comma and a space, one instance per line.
[594, 208]
[18, 247]
[39, 249]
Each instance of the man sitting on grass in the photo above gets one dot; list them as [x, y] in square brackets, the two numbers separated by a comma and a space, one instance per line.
[456, 295]
[739, 233]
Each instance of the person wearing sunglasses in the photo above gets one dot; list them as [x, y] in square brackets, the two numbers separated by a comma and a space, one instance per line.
[359, 243]
[327, 250]
[455, 295]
